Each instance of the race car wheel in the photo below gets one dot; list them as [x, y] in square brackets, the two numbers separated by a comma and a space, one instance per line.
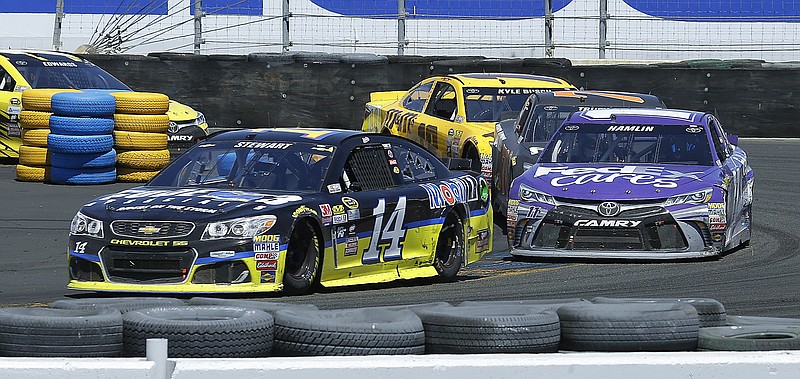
[140, 140]
[750, 338]
[79, 126]
[156, 123]
[629, 327]
[450, 248]
[34, 119]
[206, 331]
[141, 102]
[35, 137]
[60, 143]
[363, 331]
[46, 332]
[302, 261]
[79, 161]
[83, 104]
[143, 159]
[39, 99]
[480, 329]
[122, 304]
[102, 175]
[34, 156]
[710, 312]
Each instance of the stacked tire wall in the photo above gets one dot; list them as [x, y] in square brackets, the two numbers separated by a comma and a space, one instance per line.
[34, 156]
[80, 139]
[140, 127]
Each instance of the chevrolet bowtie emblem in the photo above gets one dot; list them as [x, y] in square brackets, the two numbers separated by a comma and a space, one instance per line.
[149, 229]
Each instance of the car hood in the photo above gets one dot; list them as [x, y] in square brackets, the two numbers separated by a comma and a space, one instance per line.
[190, 204]
[181, 112]
[618, 182]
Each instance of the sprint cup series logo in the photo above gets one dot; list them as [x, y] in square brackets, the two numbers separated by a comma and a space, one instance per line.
[655, 176]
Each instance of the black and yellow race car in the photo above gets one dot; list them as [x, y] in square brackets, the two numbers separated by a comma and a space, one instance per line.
[21, 70]
[284, 209]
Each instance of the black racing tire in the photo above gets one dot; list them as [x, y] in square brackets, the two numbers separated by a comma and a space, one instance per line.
[46, 332]
[79, 104]
[629, 327]
[78, 126]
[302, 264]
[60, 143]
[122, 304]
[301, 332]
[484, 329]
[710, 312]
[750, 338]
[200, 331]
[81, 161]
[450, 247]
[552, 304]
[102, 175]
[266, 306]
[760, 320]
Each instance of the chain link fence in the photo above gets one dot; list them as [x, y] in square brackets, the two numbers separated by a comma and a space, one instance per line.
[575, 29]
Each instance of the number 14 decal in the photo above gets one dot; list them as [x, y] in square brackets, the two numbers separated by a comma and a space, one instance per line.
[393, 231]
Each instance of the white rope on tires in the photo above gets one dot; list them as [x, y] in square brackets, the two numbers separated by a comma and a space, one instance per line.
[629, 327]
[200, 331]
[362, 331]
[45, 332]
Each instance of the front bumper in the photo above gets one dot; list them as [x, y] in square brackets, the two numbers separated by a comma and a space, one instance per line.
[644, 231]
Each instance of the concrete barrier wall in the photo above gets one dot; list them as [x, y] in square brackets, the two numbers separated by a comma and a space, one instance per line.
[751, 98]
[697, 365]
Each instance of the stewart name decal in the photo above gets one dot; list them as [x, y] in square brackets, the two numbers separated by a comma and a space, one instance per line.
[639, 175]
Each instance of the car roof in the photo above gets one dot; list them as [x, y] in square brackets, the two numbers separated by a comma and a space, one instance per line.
[312, 135]
[633, 116]
[39, 54]
[597, 98]
[511, 80]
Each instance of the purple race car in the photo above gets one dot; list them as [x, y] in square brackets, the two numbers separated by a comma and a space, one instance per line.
[633, 183]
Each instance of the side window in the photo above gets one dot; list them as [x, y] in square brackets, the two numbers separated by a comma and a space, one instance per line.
[415, 101]
[522, 119]
[443, 102]
[367, 169]
[414, 165]
[7, 83]
[718, 140]
[728, 146]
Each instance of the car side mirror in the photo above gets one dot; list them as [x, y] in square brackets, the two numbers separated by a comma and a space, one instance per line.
[459, 164]
[733, 139]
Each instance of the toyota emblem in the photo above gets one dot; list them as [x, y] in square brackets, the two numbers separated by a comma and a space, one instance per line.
[608, 209]
[173, 127]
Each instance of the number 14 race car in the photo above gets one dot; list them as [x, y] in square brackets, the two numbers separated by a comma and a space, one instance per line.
[283, 209]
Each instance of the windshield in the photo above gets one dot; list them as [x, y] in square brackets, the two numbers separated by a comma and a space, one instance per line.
[597, 143]
[540, 126]
[64, 74]
[495, 104]
[264, 165]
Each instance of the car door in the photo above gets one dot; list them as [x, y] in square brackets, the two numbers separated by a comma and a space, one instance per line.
[440, 121]
[400, 120]
[10, 107]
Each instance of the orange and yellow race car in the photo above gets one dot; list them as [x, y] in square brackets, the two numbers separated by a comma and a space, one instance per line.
[454, 116]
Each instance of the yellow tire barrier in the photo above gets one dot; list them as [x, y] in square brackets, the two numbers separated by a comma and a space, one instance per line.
[34, 156]
[35, 137]
[141, 102]
[125, 174]
[33, 173]
[143, 159]
[39, 99]
[139, 140]
[149, 123]
[34, 119]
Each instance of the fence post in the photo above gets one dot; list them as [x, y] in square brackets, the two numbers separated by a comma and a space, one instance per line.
[603, 40]
[401, 26]
[549, 48]
[57, 26]
[198, 25]
[286, 15]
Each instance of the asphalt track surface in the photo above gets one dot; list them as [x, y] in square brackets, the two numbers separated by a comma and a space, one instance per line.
[762, 279]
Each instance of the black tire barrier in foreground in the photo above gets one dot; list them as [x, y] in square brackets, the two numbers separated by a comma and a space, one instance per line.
[209, 328]
[709, 311]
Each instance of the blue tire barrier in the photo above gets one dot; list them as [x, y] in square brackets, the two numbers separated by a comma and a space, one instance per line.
[60, 175]
[80, 161]
[83, 104]
[60, 143]
[79, 126]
